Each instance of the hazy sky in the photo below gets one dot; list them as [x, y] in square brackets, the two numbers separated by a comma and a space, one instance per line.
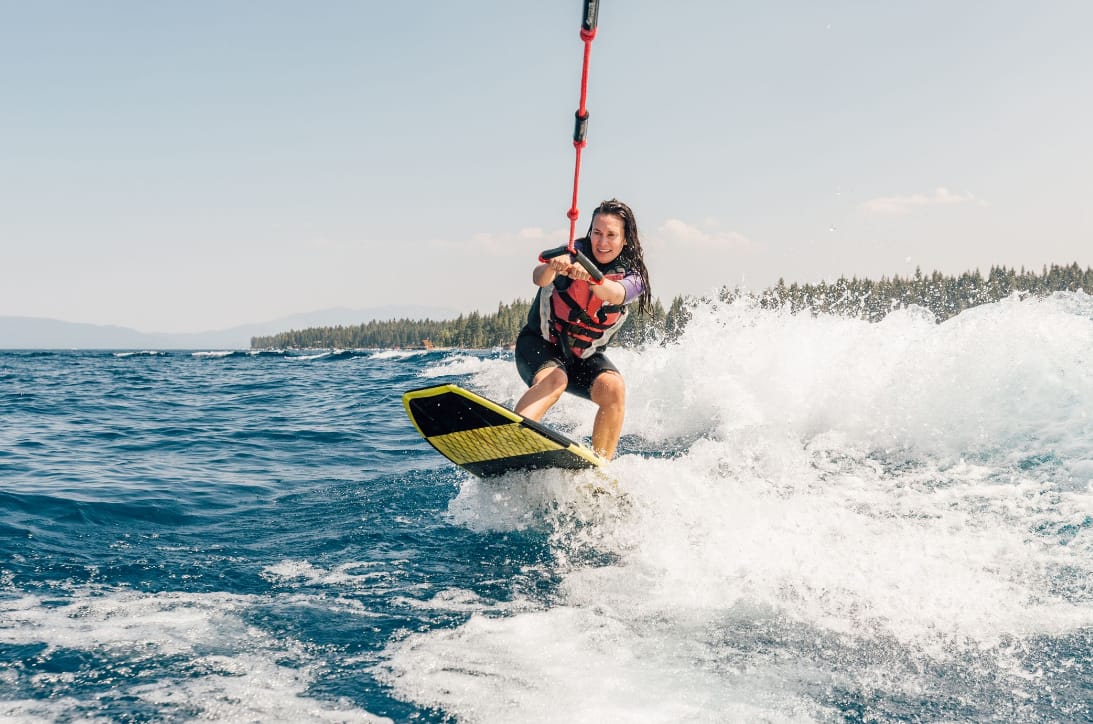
[186, 166]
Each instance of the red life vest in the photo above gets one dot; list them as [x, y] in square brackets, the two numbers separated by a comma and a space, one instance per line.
[576, 319]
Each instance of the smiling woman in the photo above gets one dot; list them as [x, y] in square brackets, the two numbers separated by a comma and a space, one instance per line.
[575, 315]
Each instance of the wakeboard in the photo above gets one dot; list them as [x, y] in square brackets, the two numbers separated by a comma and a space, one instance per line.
[487, 439]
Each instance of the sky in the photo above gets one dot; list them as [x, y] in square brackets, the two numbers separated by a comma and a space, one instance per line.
[192, 166]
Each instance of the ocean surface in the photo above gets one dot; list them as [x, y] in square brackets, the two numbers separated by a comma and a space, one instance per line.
[817, 519]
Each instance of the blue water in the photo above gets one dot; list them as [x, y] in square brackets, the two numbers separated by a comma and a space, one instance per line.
[817, 519]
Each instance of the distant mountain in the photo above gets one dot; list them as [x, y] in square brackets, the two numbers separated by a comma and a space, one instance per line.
[43, 333]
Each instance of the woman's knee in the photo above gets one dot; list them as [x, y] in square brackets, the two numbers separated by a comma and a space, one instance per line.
[609, 389]
[551, 377]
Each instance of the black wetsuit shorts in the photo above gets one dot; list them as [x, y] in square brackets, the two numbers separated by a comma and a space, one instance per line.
[533, 353]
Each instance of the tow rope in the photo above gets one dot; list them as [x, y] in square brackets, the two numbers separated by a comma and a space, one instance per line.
[580, 128]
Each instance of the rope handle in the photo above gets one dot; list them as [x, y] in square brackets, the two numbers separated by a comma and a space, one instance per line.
[579, 257]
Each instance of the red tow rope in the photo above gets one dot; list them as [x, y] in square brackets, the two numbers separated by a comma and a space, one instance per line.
[580, 130]
[588, 33]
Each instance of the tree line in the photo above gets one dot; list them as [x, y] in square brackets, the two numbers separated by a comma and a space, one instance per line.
[944, 296]
[469, 331]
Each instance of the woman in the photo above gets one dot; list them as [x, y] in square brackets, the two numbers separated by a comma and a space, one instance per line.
[572, 320]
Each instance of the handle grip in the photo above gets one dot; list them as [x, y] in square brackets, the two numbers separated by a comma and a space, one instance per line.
[549, 254]
[590, 267]
[590, 18]
[579, 257]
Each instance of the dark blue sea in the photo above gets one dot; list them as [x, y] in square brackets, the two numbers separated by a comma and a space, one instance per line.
[816, 519]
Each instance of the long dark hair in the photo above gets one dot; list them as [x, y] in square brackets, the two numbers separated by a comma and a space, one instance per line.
[631, 252]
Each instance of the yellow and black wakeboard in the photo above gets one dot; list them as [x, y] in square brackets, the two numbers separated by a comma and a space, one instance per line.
[487, 439]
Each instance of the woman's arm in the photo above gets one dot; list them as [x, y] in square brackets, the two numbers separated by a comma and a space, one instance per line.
[546, 272]
[609, 291]
[543, 275]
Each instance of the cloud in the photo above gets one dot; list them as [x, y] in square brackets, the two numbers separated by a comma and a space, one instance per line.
[533, 232]
[904, 204]
[529, 240]
[675, 232]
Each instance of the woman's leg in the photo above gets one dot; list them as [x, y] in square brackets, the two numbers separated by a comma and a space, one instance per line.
[546, 388]
[609, 392]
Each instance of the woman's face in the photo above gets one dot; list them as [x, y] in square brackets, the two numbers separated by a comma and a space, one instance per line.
[606, 237]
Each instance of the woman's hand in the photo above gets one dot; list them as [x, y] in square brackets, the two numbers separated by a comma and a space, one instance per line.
[568, 266]
[576, 271]
[544, 273]
[610, 291]
[563, 265]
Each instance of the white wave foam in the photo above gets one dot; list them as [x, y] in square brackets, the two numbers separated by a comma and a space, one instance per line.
[310, 357]
[341, 575]
[576, 665]
[236, 672]
[398, 353]
[1014, 375]
[143, 353]
[881, 493]
[457, 364]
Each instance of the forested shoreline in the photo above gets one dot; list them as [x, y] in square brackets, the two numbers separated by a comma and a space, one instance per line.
[943, 296]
